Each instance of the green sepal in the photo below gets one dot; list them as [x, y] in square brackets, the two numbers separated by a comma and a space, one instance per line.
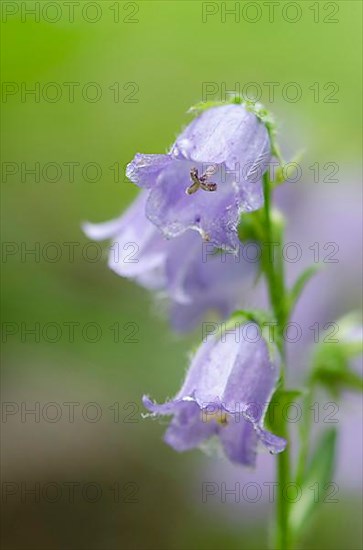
[315, 484]
[202, 106]
[250, 227]
[280, 399]
[258, 316]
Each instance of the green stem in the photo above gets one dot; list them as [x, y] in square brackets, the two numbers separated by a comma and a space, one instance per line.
[305, 429]
[304, 439]
[273, 269]
[282, 510]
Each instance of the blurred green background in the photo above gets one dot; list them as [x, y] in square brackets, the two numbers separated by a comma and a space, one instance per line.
[157, 54]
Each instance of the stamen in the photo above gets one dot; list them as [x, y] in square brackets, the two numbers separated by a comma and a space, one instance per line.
[201, 182]
[221, 417]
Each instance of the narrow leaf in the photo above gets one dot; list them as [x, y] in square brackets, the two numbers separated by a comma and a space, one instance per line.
[317, 485]
[300, 284]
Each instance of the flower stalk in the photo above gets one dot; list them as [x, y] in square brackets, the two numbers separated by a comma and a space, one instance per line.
[274, 273]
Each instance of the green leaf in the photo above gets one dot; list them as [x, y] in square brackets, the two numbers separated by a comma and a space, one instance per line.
[300, 284]
[316, 484]
[331, 369]
[282, 172]
[352, 381]
[332, 356]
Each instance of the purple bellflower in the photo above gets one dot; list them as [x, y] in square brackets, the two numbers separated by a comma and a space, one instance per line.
[211, 175]
[187, 272]
[225, 394]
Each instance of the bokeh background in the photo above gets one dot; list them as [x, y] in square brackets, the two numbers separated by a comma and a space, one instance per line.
[147, 62]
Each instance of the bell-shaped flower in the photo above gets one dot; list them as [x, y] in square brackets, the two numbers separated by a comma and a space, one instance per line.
[226, 394]
[211, 175]
[192, 277]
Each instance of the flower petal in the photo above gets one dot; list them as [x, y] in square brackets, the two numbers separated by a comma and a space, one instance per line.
[273, 443]
[215, 215]
[145, 169]
[226, 134]
[239, 440]
[102, 231]
[235, 371]
[187, 431]
[138, 250]
[205, 281]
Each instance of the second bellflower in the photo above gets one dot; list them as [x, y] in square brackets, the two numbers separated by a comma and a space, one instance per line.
[225, 394]
[210, 176]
